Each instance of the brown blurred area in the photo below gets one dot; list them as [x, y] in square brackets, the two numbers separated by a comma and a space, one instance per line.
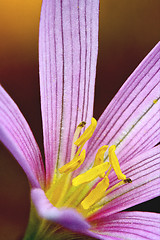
[128, 31]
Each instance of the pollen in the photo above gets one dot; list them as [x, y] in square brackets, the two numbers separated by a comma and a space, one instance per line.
[87, 133]
[81, 189]
[155, 101]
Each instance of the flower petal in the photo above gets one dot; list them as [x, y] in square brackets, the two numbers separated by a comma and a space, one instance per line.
[16, 135]
[68, 218]
[99, 236]
[129, 225]
[131, 121]
[144, 171]
[68, 45]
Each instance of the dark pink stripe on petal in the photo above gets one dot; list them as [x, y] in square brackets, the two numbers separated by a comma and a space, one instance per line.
[131, 109]
[143, 136]
[144, 171]
[129, 225]
[68, 44]
[18, 138]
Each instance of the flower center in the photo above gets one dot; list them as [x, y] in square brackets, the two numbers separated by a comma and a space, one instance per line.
[83, 192]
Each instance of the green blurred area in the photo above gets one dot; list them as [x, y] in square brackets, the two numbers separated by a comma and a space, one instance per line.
[128, 31]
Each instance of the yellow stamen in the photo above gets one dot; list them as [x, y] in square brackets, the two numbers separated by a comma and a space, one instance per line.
[99, 205]
[96, 194]
[75, 137]
[115, 163]
[77, 195]
[50, 189]
[64, 189]
[79, 192]
[74, 164]
[100, 157]
[55, 191]
[87, 133]
[91, 174]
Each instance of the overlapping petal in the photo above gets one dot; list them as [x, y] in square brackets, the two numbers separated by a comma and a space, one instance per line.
[144, 170]
[68, 218]
[131, 120]
[68, 45]
[16, 135]
[128, 225]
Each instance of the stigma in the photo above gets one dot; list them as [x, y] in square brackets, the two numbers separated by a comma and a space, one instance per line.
[85, 190]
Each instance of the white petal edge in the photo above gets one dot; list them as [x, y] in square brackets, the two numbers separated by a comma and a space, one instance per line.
[67, 217]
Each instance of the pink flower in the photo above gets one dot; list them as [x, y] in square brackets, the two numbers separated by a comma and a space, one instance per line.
[77, 194]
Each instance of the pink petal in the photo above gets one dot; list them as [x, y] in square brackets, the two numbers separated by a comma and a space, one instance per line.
[16, 135]
[131, 121]
[68, 218]
[129, 225]
[97, 235]
[68, 45]
[144, 170]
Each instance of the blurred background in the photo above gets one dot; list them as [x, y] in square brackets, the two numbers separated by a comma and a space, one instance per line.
[128, 31]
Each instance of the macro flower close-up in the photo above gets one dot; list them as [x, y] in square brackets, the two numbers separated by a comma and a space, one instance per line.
[92, 170]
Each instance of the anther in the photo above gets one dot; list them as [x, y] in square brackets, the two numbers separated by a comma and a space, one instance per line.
[127, 180]
[75, 137]
[81, 125]
[155, 101]
[87, 133]
[99, 158]
[73, 164]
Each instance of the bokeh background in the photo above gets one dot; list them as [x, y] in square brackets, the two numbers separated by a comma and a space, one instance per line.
[128, 31]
